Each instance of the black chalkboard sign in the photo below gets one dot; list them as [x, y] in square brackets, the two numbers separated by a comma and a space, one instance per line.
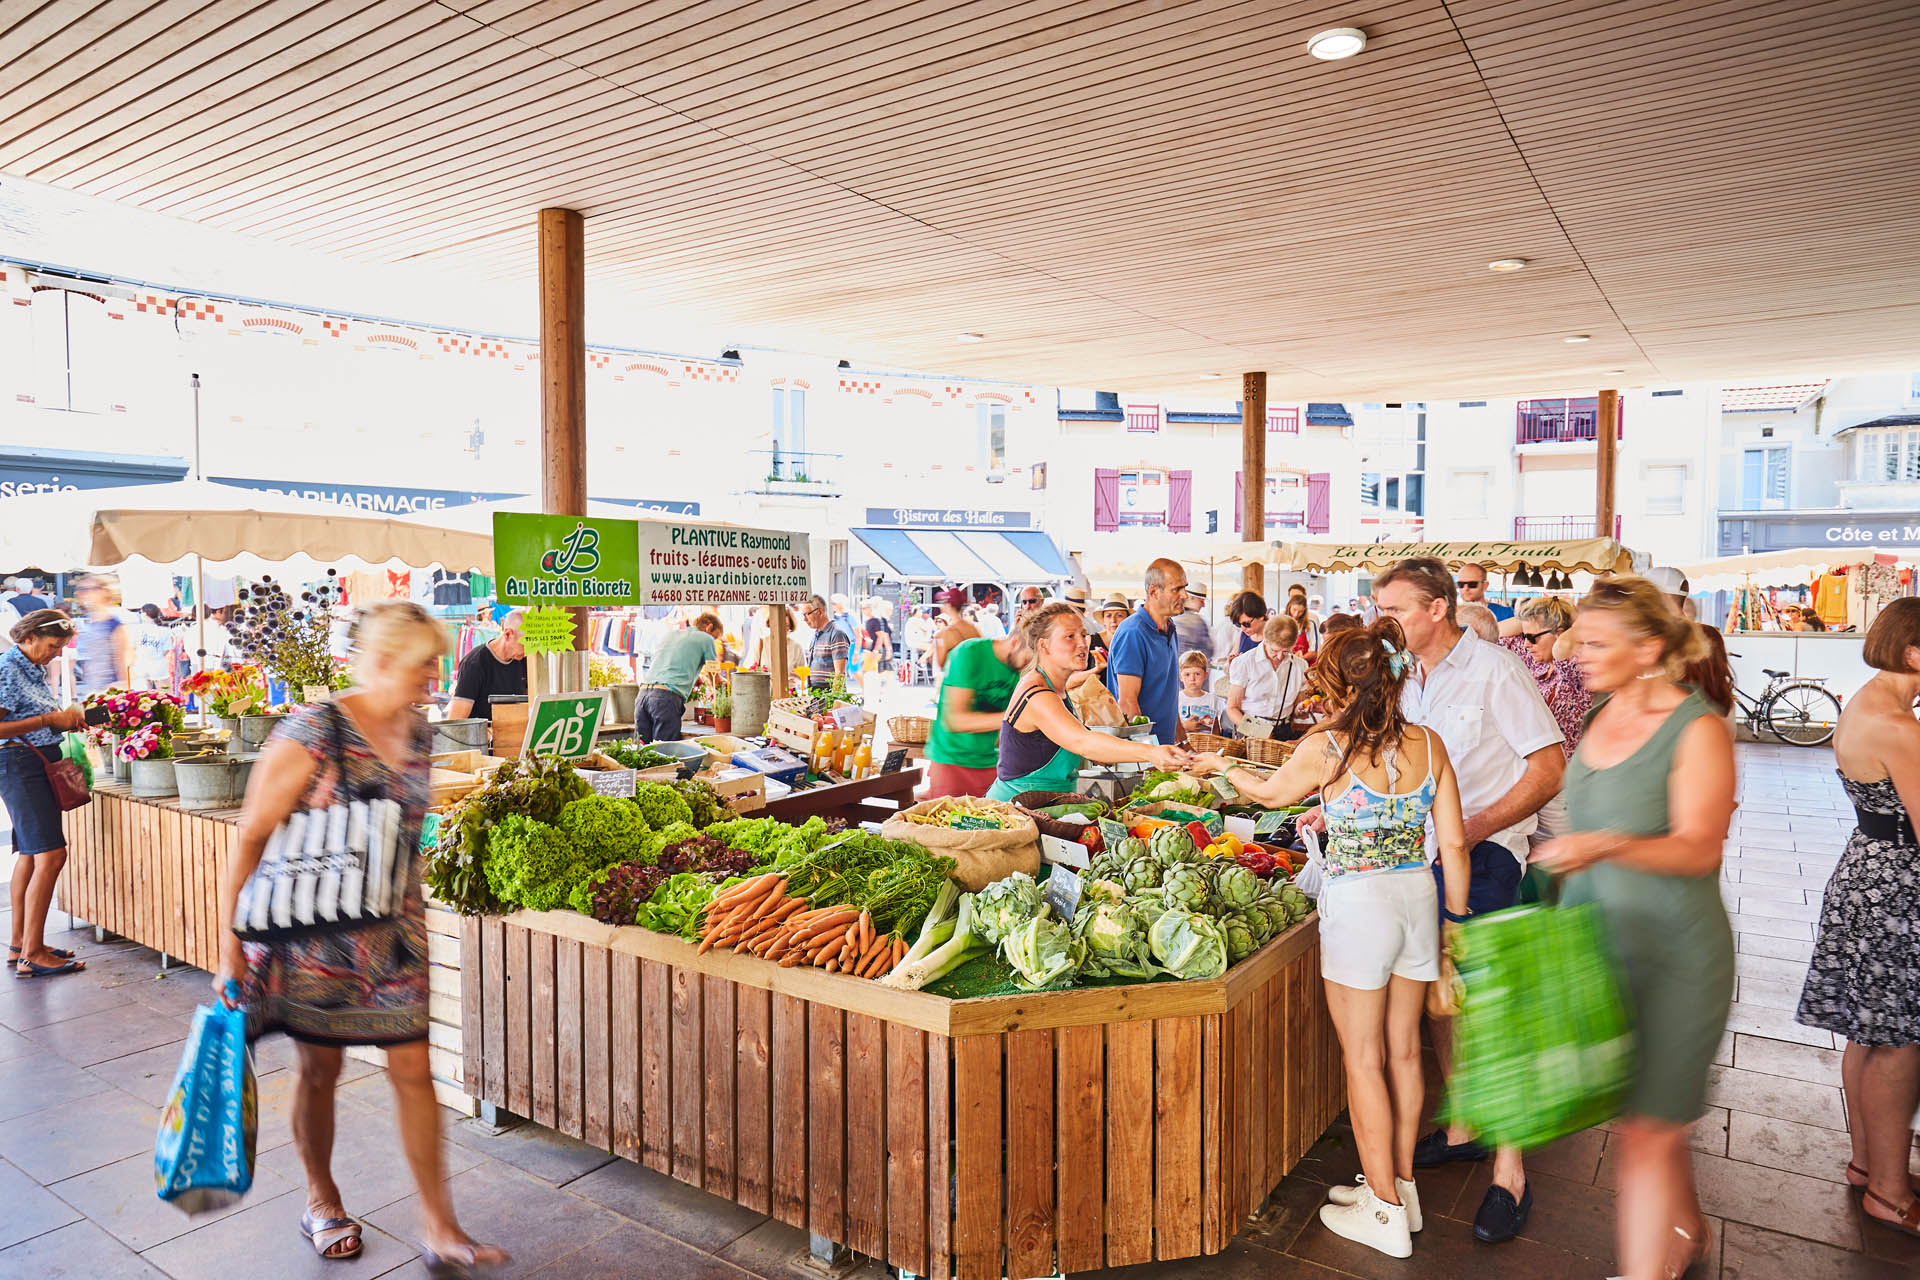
[896, 760]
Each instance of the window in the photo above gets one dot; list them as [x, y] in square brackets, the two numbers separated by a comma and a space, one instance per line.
[1143, 498]
[1143, 417]
[1416, 504]
[1884, 457]
[1286, 499]
[1370, 489]
[1666, 488]
[69, 351]
[1658, 394]
[1763, 478]
[1913, 386]
[1393, 493]
[1471, 489]
[789, 434]
[991, 418]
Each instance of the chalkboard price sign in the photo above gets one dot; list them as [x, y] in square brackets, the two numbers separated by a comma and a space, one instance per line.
[896, 760]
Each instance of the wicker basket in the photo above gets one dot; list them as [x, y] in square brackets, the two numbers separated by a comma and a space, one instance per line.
[909, 730]
[1236, 748]
[1268, 750]
[1028, 801]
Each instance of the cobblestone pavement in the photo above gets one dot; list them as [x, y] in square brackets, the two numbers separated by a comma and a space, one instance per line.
[86, 1059]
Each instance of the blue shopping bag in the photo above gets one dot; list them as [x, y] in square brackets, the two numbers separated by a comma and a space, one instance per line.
[203, 1152]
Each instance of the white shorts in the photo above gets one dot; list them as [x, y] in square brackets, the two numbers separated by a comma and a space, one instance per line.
[1377, 925]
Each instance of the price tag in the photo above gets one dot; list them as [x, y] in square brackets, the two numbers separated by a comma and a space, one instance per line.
[315, 693]
[896, 760]
[565, 725]
[1065, 853]
[547, 630]
[1256, 727]
[1269, 823]
[611, 782]
[1112, 833]
[1063, 891]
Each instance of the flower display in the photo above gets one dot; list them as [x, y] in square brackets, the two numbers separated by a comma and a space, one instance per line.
[245, 685]
[149, 743]
[290, 636]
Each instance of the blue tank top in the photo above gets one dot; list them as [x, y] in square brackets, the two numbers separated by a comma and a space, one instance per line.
[1369, 830]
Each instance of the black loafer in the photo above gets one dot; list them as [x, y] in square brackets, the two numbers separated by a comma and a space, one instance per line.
[1500, 1218]
[1434, 1150]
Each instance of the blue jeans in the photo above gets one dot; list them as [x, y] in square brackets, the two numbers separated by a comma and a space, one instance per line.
[1493, 881]
[657, 715]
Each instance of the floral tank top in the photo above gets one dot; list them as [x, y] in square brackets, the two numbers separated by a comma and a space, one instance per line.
[1370, 830]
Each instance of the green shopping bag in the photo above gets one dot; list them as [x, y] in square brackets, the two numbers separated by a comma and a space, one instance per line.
[74, 748]
[1543, 1042]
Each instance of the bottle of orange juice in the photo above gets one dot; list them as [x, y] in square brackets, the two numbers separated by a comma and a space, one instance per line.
[824, 744]
[863, 760]
[844, 756]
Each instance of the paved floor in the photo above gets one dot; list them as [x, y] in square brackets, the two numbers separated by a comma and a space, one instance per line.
[87, 1058]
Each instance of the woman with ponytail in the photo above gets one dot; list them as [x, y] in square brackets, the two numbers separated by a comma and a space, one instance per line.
[1380, 778]
[1650, 793]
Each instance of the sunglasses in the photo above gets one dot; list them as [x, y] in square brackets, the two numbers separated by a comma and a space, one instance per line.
[1253, 624]
[1534, 637]
[1469, 582]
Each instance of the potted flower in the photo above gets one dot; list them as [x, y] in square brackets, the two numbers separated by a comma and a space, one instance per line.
[229, 694]
[288, 636]
[148, 752]
[723, 709]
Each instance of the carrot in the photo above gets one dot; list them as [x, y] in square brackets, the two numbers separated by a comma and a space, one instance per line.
[832, 949]
[791, 959]
[747, 890]
[832, 924]
[707, 943]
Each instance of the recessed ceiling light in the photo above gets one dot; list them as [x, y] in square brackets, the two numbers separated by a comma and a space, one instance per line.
[1506, 264]
[1337, 42]
[973, 337]
[1578, 337]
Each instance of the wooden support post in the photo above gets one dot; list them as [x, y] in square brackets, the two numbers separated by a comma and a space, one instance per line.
[563, 383]
[1253, 479]
[1606, 432]
[777, 649]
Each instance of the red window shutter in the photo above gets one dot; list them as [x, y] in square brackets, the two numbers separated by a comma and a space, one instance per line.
[1319, 502]
[1106, 499]
[1239, 497]
[1179, 501]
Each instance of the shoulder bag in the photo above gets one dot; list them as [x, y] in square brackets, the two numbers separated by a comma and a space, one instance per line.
[331, 868]
[64, 778]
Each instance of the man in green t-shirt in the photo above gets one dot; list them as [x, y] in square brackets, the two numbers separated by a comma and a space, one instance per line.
[963, 750]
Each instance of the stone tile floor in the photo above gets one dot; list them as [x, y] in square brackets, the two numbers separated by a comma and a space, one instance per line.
[87, 1058]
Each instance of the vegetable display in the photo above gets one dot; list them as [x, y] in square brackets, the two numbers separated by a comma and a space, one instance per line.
[634, 754]
[533, 787]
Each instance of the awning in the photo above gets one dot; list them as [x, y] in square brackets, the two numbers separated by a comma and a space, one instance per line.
[941, 555]
[1784, 568]
[1594, 555]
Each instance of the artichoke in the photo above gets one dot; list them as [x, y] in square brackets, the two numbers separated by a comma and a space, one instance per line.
[1188, 945]
[1141, 873]
[1187, 889]
[1171, 846]
[1005, 905]
[1240, 940]
[1298, 904]
[1107, 866]
[1257, 924]
[1278, 918]
[1237, 887]
[1130, 848]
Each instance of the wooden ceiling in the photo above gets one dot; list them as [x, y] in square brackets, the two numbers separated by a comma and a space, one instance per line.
[1124, 195]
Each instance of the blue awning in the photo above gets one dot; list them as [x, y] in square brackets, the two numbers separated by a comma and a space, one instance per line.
[1328, 415]
[1040, 549]
[899, 553]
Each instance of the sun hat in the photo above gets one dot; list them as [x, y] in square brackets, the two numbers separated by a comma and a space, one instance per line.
[1117, 600]
[1076, 595]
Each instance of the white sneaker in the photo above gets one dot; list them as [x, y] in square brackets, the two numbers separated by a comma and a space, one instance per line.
[1409, 1198]
[1372, 1222]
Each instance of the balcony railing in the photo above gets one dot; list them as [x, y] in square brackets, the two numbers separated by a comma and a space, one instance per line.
[1556, 528]
[795, 471]
[1557, 421]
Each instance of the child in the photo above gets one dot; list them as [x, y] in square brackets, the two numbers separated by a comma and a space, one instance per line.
[1200, 709]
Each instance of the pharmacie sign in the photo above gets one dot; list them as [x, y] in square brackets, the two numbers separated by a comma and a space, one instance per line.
[947, 518]
[565, 560]
[688, 563]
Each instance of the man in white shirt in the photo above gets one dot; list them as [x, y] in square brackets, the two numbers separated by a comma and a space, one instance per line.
[1505, 748]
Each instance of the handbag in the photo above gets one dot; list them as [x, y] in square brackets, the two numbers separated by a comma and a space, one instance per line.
[64, 779]
[330, 868]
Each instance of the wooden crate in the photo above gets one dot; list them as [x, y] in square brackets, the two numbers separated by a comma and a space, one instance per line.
[789, 725]
[1017, 1136]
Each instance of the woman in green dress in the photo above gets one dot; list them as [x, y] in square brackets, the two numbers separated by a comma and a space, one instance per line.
[1650, 793]
[1042, 744]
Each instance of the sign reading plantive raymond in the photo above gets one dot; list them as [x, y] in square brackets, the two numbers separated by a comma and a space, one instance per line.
[566, 560]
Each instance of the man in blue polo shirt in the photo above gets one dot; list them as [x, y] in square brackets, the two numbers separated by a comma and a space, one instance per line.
[1143, 667]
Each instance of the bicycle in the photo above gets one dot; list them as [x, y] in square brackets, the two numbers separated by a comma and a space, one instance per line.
[1803, 712]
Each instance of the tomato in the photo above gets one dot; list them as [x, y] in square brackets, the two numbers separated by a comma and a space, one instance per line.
[1090, 837]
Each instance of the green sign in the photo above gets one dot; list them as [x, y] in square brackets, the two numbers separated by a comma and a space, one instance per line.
[566, 560]
[547, 629]
[565, 724]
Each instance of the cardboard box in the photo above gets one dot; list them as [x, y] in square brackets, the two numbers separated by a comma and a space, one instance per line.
[744, 790]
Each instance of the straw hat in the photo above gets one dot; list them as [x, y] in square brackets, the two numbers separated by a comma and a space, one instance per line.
[1076, 595]
[1117, 600]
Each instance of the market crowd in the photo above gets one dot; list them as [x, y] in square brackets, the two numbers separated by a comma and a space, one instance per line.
[1470, 756]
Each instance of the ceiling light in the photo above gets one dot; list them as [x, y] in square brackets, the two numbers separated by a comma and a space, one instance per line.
[1213, 375]
[1578, 337]
[1506, 264]
[1337, 42]
[973, 337]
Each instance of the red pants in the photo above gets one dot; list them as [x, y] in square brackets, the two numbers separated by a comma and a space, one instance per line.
[952, 780]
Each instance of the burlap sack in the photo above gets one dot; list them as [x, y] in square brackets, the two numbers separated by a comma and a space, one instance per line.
[980, 857]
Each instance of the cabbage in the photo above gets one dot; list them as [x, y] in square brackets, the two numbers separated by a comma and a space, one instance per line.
[1115, 938]
[1043, 953]
[1188, 945]
[1005, 905]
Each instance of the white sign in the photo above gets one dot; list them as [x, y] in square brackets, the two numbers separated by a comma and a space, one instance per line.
[688, 563]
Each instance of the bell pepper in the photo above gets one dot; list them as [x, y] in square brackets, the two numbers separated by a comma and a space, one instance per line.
[1090, 837]
[1201, 836]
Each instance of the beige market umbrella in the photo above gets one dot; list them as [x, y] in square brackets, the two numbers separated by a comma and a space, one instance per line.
[1591, 555]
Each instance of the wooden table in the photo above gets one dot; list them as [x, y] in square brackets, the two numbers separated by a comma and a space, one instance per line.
[872, 799]
[1012, 1136]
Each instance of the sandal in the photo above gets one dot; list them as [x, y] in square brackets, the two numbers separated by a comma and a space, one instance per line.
[1701, 1251]
[451, 1268]
[1855, 1171]
[336, 1232]
[1907, 1220]
[68, 955]
[47, 970]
